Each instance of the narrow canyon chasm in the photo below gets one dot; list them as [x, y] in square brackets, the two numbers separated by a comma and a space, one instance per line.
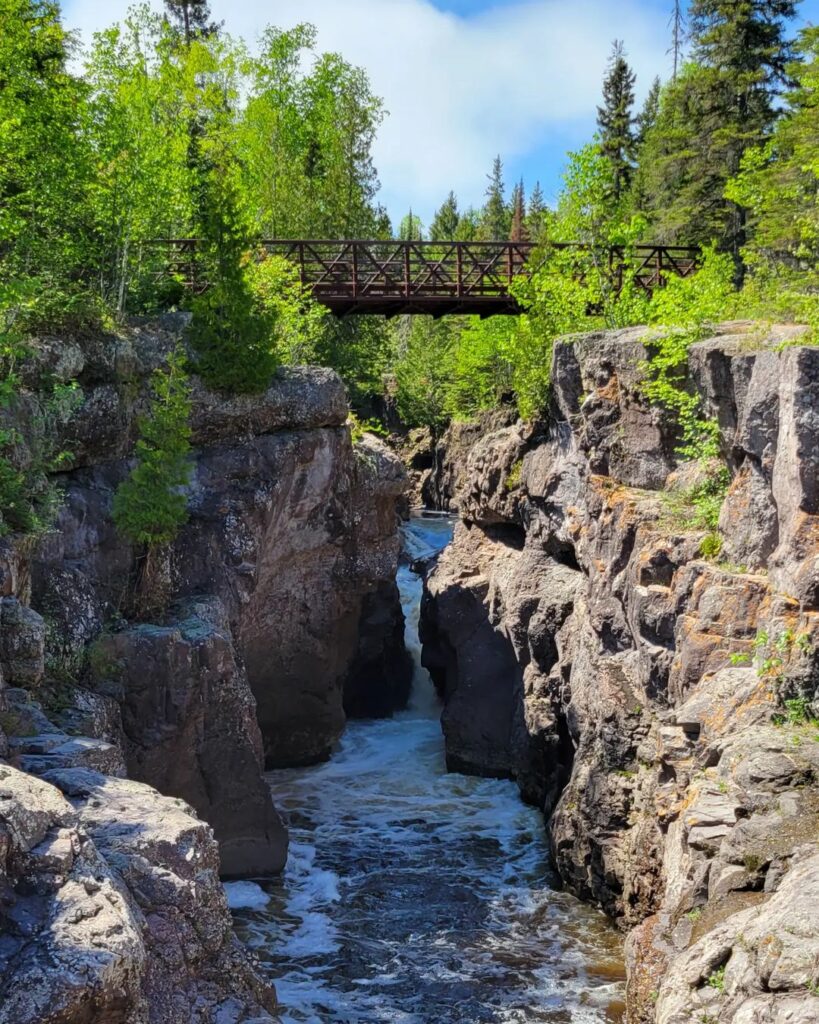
[548, 756]
[412, 894]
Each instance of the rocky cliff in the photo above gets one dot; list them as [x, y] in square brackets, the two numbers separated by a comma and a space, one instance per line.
[649, 681]
[185, 675]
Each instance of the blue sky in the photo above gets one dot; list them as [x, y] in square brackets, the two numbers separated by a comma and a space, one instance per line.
[465, 79]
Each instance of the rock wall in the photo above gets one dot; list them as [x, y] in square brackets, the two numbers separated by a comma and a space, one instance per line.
[184, 674]
[636, 689]
[112, 909]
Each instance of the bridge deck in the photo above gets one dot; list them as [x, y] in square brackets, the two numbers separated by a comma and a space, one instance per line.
[437, 278]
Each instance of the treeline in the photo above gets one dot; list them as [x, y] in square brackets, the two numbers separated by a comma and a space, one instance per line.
[173, 129]
[724, 155]
[166, 126]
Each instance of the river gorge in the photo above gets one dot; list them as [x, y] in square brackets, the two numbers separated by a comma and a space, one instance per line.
[548, 753]
[415, 895]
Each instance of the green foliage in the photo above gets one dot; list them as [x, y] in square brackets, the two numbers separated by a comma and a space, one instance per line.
[774, 655]
[444, 226]
[150, 505]
[483, 370]
[513, 477]
[422, 371]
[711, 545]
[684, 311]
[698, 507]
[29, 435]
[777, 183]
[716, 979]
[141, 101]
[46, 167]
[615, 120]
[360, 427]
[231, 331]
[798, 711]
[296, 322]
[496, 217]
[717, 108]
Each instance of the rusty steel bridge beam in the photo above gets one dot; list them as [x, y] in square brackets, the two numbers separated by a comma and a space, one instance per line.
[389, 277]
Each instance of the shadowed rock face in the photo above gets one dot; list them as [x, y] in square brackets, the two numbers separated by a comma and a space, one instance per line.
[181, 687]
[584, 646]
[187, 671]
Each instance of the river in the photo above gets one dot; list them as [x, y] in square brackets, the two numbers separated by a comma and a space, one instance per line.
[414, 896]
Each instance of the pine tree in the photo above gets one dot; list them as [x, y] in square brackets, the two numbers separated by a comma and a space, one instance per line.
[536, 213]
[678, 33]
[715, 111]
[496, 216]
[615, 119]
[518, 231]
[191, 18]
[444, 225]
[647, 117]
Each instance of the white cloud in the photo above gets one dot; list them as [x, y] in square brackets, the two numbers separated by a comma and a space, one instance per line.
[458, 89]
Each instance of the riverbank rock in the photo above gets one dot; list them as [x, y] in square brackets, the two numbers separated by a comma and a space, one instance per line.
[182, 672]
[113, 910]
[656, 703]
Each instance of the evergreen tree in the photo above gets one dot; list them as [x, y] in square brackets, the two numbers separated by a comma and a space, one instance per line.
[536, 212]
[191, 18]
[411, 229]
[468, 226]
[779, 182]
[647, 117]
[678, 33]
[711, 115]
[518, 231]
[444, 225]
[495, 217]
[615, 119]
[646, 120]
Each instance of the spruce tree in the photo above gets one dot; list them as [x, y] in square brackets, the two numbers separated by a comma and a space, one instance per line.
[444, 225]
[615, 119]
[536, 212]
[518, 231]
[647, 117]
[718, 108]
[495, 217]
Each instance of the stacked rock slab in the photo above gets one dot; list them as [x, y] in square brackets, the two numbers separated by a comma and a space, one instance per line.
[634, 688]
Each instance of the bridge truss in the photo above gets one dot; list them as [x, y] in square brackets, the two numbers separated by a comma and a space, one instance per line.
[436, 278]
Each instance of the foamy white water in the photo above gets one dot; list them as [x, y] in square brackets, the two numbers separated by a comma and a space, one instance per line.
[416, 896]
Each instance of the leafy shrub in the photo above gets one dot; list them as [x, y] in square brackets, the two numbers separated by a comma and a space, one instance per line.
[711, 545]
[150, 506]
[685, 309]
[296, 321]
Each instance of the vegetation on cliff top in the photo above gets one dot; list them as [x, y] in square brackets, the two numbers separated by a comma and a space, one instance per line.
[173, 128]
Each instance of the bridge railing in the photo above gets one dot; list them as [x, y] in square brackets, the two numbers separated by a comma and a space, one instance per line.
[384, 275]
[406, 269]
